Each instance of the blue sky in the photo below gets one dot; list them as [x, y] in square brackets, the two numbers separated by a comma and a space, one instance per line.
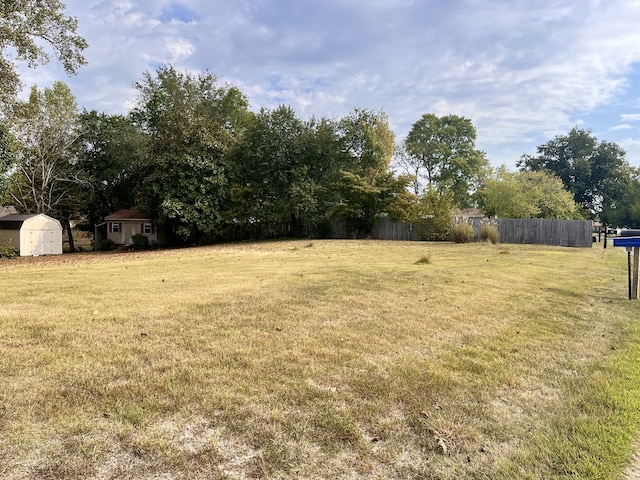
[522, 71]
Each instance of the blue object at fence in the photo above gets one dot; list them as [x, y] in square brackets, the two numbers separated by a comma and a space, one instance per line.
[631, 243]
[626, 242]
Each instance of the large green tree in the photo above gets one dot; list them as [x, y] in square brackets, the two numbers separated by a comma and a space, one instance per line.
[281, 167]
[46, 177]
[26, 27]
[441, 152]
[526, 195]
[367, 187]
[191, 122]
[624, 211]
[594, 172]
[436, 210]
[111, 153]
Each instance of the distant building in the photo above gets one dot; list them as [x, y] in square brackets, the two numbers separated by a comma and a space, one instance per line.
[8, 211]
[469, 215]
[124, 224]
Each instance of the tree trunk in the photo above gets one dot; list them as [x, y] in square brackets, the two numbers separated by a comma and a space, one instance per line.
[67, 226]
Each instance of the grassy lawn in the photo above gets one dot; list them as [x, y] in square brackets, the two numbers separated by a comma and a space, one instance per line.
[323, 359]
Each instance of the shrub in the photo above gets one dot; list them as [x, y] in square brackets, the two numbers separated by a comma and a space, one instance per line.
[434, 229]
[426, 258]
[462, 233]
[140, 242]
[489, 233]
[107, 244]
[7, 250]
[436, 216]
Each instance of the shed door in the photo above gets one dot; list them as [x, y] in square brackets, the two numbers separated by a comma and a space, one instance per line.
[29, 242]
[38, 242]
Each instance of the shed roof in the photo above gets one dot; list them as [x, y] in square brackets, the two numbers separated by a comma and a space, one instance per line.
[470, 213]
[128, 214]
[15, 221]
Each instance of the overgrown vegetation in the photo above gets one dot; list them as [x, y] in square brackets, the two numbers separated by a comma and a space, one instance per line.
[462, 233]
[7, 250]
[435, 215]
[489, 233]
[345, 360]
[425, 258]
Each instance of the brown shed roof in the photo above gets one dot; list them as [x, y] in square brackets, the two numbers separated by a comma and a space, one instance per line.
[128, 214]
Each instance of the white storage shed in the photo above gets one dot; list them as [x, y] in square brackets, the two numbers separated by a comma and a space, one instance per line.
[32, 234]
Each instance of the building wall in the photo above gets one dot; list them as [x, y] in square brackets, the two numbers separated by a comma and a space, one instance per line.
[10, 236]
[121, 231]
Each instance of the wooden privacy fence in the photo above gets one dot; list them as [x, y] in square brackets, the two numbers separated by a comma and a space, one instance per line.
[542, 231]
[546, 231]
[384, 229]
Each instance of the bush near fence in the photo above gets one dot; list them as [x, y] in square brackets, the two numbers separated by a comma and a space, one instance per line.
[541, 231]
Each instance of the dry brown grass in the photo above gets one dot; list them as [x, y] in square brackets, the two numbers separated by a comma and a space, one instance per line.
[318, 360]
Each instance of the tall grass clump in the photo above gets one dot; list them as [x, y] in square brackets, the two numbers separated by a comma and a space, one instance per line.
[462, 233]
[424, 259]
[490, 233]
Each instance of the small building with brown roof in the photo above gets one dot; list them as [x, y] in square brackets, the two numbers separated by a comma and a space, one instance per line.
[124, 224]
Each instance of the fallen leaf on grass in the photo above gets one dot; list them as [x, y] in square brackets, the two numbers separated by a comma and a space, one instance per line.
[443, 446]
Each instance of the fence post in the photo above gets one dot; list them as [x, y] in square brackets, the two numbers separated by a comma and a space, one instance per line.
[636, 264]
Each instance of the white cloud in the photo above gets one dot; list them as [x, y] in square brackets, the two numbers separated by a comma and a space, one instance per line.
[179, 49]
[520, 70]
[632, 147]
[624, 126]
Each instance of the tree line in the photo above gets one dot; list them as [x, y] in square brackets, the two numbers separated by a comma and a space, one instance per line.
[206, 167]
[193, 155]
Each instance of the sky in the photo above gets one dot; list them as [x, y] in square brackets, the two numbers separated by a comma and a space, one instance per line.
[523, 72]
